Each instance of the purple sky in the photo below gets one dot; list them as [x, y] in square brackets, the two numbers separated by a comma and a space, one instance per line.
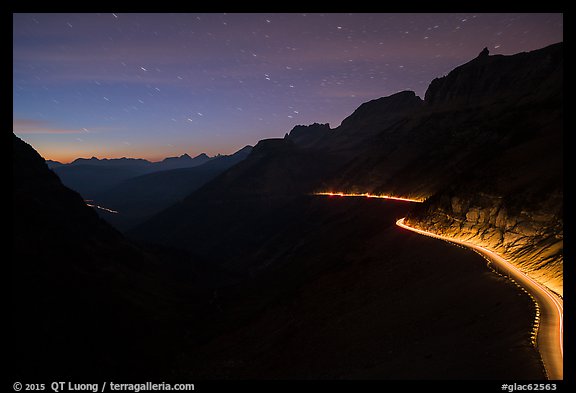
[157, 85]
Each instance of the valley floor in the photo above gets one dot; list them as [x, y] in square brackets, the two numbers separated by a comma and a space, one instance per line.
[353, 296]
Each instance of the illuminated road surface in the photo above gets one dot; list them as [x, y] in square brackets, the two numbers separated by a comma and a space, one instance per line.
[550, 328]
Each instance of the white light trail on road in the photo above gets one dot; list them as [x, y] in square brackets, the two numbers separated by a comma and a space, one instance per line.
[99, 207]
[551, 356]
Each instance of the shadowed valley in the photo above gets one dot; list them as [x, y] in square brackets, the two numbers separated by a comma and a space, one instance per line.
[234, 269]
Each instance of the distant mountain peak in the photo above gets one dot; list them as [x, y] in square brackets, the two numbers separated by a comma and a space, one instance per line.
[398, 103]
[167, 159]
[307, 135]
[53, 164]
[271, 146]
[244, 152]
[182, 161]
[312, 127]
[186, 157]
[96, 160]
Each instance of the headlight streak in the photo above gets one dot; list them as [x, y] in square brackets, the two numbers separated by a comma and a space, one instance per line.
[492, 257]
[368, 195]
[99, 207]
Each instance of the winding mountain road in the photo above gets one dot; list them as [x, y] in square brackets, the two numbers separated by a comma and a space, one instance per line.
[550, 316]
[549, 339]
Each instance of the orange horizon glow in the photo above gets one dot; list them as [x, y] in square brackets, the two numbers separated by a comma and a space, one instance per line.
[65, 152]
[68, 158]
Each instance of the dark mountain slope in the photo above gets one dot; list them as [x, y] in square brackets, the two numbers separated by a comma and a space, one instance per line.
[92, 176]
[183, 161]
[276, 170]
[307, 136]
[324, 295]
[492, 79]
[139, 198]
[85, 301]
[53, 164]
[313, 287]
[301, 266]
[89, 179]
[224, 210]
[508, 192]
[477, 112]
[401, 146]
[357, 131]
[487, 148]
[333, 290]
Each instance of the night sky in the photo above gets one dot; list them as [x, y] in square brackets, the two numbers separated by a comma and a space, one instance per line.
[158, 85]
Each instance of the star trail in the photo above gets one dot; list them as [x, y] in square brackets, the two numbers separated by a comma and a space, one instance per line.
[158, 85]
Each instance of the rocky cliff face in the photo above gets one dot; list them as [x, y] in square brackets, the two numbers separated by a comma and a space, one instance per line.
[307, 136]
[380, 110]
[488, 158]
[532, 239]
[490, 79]
[511, 200]
[359, 130]
[492, 127]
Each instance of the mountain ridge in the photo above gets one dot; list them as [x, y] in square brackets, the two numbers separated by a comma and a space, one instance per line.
[140, 197]
[79, 287]
[289, 285]
[421, 148]
[90, 177]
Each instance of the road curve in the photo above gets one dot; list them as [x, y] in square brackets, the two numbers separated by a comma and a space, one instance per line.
[549, 339]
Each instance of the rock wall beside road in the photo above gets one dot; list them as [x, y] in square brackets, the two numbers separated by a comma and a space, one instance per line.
[532, 239]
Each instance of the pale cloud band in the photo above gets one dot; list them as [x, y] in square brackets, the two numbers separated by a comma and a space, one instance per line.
[34, 126]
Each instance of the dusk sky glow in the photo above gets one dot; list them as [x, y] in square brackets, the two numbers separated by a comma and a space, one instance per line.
[158, 85]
